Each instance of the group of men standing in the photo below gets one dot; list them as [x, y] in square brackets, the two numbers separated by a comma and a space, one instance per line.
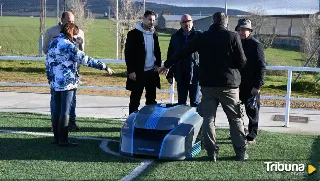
[228, 66]
[216, 60]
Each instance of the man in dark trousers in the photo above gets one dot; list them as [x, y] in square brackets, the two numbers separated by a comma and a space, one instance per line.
[143, 58]
[186, 73]
[221, 57]
[252, 76]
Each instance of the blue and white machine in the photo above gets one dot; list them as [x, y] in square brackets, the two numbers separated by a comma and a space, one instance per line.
[165, 131]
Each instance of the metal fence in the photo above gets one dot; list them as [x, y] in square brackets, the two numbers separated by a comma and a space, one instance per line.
[172, 91]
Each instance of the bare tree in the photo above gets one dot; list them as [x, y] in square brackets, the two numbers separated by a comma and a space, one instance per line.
[310, 39]
[130, 14]
[259, 22]
[83, 16]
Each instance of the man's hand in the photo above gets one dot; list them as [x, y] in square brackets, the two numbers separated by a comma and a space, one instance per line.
[170, 80]
[163, 70]
[156, 68]
[255, 91]
[109, 70]
[132, 76]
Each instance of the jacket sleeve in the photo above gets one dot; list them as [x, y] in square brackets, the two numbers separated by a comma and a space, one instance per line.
[260, 66]
[80, 57]
[157, 51]
[238, 53]
[129, 52]
[192, 47]
[171, 51]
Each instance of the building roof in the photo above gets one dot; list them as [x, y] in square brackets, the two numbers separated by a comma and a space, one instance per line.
[178, 17]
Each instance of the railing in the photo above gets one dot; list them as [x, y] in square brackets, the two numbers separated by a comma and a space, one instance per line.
[172, 91]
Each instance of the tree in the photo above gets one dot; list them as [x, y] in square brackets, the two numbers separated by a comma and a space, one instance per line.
[79, 10]
[259, 21]
[310, 39]
[130, 14]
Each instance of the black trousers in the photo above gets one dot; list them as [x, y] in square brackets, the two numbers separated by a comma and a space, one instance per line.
[252, 106]
[147, 81]
[193, 90]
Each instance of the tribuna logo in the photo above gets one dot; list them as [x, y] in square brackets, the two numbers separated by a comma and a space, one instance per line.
[284, 167]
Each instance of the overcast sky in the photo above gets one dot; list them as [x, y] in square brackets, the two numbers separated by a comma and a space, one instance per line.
[271, 6]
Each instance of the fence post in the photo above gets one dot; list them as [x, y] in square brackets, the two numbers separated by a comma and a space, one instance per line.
[117, 30]
[288, 98]
[172, 92]
[58, 12]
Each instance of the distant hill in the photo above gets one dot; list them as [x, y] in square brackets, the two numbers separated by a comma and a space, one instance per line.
[98, 7]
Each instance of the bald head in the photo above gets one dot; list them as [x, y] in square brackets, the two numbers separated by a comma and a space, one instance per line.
[186, 23]
[67, 17]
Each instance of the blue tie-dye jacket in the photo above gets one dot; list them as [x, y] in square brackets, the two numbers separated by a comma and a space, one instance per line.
[61, 63]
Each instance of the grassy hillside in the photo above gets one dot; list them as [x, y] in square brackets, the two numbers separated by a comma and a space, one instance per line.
[20, 36]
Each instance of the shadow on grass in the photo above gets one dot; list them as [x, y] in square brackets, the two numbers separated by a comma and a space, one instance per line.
[48, 129]
[23, 69]
[117, 74]
[39, 148]
[314, 159]
[300, 87]
[23, 116]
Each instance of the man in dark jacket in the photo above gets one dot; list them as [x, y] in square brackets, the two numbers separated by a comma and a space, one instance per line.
[252, 76]
[186, 72]
[221, 57]
[143, 58]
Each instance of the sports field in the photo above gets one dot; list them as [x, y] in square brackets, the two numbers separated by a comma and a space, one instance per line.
[30, 156]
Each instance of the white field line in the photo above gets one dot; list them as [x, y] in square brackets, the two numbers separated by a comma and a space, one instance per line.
[143, 165]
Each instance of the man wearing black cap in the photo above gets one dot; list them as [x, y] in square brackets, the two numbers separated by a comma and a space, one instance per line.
[252, 76]
[220, 58]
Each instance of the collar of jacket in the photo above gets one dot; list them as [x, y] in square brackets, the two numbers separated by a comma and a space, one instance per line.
[181, 32]
[248, 38]
[214, 27]
[139, 27]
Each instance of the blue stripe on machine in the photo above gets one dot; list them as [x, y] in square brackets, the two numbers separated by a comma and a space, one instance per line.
[132, 132]
[155, 116]
[166, 137]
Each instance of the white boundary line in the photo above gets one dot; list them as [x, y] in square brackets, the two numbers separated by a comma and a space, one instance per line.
[103, 145]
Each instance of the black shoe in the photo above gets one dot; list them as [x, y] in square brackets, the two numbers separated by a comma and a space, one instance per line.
[250, 141]
[73, 126]
[67, 144]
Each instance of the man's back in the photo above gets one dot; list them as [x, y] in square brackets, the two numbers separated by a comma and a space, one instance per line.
[221, 57]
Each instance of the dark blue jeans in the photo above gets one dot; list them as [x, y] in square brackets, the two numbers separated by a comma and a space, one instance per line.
[62, 102]
[72, 108]
[194, 93]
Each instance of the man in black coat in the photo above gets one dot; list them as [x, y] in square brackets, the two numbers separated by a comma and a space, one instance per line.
[186, 73]
[221, 57]
[143, 58]
[252, 76]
